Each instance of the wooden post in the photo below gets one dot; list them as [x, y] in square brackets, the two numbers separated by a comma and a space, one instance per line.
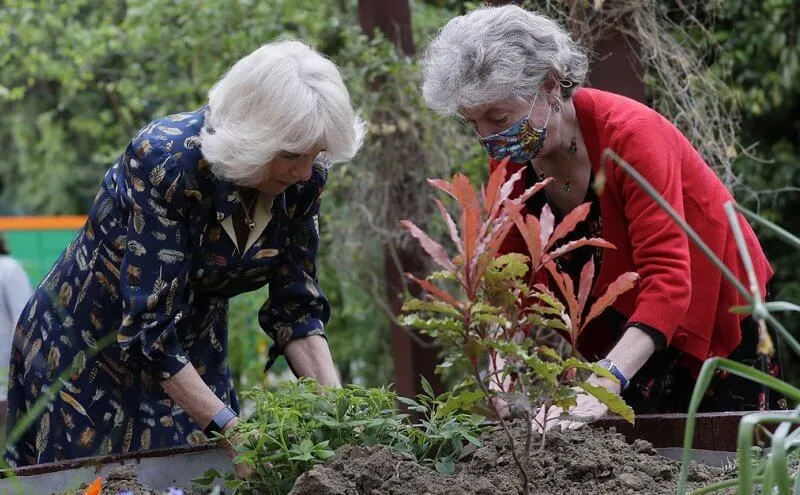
[412, 356]
[618, 67]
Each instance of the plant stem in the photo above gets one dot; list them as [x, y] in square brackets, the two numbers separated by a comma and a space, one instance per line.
[721, 486]
[528, 422]
[504, 425]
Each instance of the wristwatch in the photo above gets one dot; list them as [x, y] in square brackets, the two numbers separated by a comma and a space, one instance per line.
[612, 368]
[218, 422]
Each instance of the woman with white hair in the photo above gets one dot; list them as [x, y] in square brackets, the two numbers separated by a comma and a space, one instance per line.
[127, 334]
[516, 77]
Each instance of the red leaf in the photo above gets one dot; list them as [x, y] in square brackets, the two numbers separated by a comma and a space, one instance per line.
[567, 225]
[585, 284]
[623, 283]
[572, 245]
[564, 283]
[546, 221]
[529, 228]
[444, 186]
[505, 193]
[435, 291]
[492, 243]
[433, 248]
[451, 227]
[470, 217]
[493, 189]
[525, 196]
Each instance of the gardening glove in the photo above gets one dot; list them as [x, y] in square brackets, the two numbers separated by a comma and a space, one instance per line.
[587, 409]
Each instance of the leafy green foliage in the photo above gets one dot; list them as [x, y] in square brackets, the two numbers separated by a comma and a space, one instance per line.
[438, 438]
[497, 303]
[302, 423]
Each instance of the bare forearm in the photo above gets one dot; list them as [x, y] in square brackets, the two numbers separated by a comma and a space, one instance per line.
[311, 357]
[193, 395]
[631, 353]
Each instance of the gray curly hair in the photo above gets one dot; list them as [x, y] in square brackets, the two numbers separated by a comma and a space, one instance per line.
[494, 53]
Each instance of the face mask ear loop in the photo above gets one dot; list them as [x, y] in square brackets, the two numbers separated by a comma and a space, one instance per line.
[530, 112]
[546, 120]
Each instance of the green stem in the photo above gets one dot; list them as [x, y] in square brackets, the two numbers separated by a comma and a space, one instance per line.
[722, 485]
[784, 234]
[703, 380]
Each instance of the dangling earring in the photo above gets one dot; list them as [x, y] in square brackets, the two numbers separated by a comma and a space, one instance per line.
[556, 108]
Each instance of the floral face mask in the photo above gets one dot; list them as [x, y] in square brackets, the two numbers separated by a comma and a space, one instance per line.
[522, 142]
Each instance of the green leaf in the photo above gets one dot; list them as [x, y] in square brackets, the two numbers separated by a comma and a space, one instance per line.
[323, 454]
[430, 306]
[461, 402]
[474, 441]
[554, 323]
[594, 368]
[472, 349]
[208, 478]
[409, 402]
[614, 402]
[548, 372]
[549, 352]
[777, 306]
[302, 457]
[441, 275]
[426, 386]
[446, 467]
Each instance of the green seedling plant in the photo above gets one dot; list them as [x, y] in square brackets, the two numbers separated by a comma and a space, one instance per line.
[438, 438]
[772, 470]
[303, 423]
[481, 307]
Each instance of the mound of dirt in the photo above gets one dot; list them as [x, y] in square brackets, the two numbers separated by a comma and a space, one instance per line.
[586, 461]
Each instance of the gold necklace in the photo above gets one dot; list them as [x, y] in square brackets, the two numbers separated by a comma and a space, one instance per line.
[247, 209]
[565, 181]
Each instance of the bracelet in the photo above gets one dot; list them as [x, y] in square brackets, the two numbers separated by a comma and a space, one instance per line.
[218, 422]
[612, 368]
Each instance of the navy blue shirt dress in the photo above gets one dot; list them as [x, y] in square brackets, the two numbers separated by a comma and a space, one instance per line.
[143, 290]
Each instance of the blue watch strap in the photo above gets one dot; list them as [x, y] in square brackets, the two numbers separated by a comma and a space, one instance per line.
[612, 368]
[222, 418]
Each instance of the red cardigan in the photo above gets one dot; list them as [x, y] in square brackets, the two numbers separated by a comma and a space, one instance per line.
[680, 293]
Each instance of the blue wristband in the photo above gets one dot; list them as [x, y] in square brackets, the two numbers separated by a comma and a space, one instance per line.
[218, 422]
[612, 368]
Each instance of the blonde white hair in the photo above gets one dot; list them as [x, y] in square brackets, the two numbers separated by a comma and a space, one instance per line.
[494, 53]
[283, 97]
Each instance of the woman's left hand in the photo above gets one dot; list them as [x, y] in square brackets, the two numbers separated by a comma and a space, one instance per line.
[587, 409]
[240, 469]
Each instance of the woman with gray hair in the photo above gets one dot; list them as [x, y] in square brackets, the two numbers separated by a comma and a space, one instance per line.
[516, 77]
[201, 206]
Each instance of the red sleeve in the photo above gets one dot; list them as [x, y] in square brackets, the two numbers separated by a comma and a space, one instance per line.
[660, 248]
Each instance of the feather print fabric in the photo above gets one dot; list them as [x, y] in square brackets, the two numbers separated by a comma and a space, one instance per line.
[150, 274]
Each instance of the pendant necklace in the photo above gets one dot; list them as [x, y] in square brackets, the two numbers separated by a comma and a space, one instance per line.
[251, 224]
[565, 181]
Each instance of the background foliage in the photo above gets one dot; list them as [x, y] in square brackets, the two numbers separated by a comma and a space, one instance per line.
[78, 78]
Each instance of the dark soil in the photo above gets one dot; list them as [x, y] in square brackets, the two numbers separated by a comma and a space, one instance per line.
[123, 479]
[587, 461]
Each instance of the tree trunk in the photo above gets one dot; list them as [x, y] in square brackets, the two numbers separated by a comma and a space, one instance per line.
[412, 354]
